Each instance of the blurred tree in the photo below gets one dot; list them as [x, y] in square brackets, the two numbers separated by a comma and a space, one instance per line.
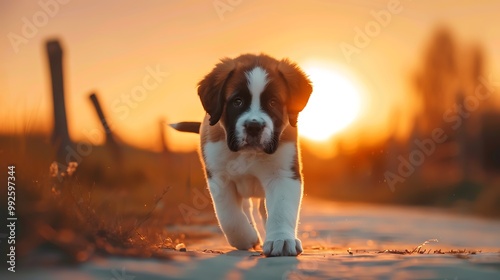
[436, 81]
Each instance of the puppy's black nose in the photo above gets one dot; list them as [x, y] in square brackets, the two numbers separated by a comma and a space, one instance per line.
[254, 128]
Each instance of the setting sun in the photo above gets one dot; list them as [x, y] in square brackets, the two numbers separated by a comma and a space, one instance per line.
[333, 105]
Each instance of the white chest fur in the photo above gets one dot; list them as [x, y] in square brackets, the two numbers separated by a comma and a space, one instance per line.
[248, 171]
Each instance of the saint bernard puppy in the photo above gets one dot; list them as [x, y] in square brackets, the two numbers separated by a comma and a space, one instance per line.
[249, 148]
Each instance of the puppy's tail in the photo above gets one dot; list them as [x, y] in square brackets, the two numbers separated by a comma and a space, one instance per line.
[193, 127]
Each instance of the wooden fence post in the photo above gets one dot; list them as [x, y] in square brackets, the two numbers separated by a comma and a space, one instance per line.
[60, 136]
[163, 139]
[110, 139]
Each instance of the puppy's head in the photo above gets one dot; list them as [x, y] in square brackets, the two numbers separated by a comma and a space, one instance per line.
[254, 97]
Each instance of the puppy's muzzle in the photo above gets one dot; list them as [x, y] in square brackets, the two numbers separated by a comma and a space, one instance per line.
[253, 130]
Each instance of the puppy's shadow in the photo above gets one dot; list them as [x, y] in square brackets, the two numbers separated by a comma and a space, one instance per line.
[243, 265]
[271, 268]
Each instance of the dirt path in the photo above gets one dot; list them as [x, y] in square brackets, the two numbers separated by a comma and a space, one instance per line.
[342, 241]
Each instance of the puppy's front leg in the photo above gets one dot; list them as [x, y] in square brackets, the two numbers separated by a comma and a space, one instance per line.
[283, 198]
[233, 222]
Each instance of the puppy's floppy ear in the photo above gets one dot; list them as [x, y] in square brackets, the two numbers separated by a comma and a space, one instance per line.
[299, 89]
[211, 89]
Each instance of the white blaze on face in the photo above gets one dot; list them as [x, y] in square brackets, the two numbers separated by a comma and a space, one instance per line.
[256, 83]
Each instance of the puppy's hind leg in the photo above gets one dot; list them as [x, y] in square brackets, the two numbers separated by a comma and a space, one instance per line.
[263, 210]
[247, 206]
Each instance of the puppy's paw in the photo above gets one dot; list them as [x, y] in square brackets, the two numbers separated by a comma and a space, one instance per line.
[244, 240]
[282, 247]
[246, 244]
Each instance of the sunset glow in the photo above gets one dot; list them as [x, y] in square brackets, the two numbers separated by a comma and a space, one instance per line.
[334, 104]
[355, 92]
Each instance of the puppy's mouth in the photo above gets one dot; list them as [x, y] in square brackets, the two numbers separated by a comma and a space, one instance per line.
[252, 143]
[245, 143]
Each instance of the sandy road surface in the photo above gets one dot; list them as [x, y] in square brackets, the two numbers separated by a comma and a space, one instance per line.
[328, 231]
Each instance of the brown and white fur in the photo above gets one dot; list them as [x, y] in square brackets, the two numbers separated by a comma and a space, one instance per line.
[249, 148]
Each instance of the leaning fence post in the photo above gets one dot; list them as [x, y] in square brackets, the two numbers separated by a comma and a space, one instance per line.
[163, 141]
[110, 139]
[60, 136]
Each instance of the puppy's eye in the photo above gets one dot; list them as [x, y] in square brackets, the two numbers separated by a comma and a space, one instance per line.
[237, 102]
[273, 102]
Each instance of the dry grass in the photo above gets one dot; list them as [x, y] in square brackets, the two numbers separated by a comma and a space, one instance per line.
[69, 209]
[419, 250]
[69, 217]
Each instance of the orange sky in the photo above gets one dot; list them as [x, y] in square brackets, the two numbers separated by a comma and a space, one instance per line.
[110, 45]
